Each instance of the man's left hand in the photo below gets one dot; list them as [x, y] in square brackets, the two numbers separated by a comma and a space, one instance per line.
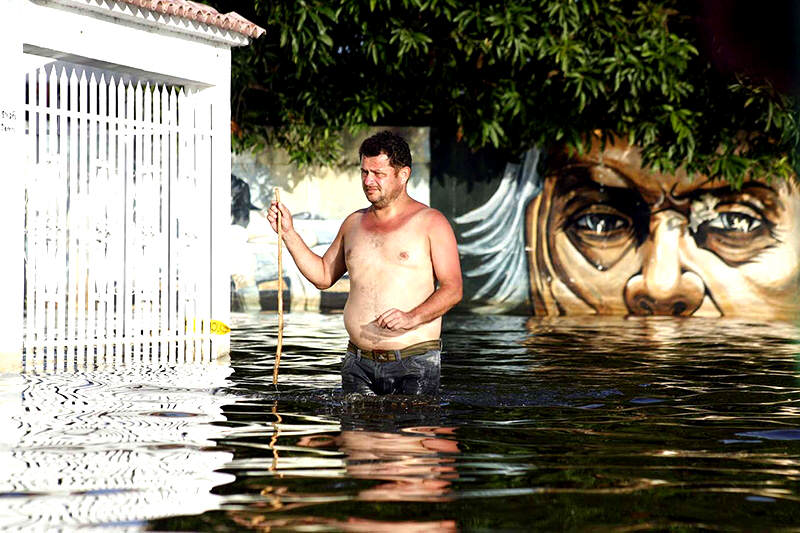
[395, 319]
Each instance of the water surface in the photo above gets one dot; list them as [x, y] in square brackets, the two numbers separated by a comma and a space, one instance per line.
[608, 424]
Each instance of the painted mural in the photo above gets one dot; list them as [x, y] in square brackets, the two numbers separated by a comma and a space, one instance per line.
[598, 234]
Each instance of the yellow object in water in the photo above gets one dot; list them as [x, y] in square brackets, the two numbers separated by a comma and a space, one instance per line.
[219, 328]
[216, 327]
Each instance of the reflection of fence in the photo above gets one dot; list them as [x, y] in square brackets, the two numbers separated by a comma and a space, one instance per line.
[117, 254]
[91, 449]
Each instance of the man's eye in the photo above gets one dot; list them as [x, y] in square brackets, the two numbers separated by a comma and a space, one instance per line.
[733, 221]
[600, 223]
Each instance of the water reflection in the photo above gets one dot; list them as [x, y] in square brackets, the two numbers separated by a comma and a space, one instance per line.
[412, 466]
[88, 449]
[541, 424]
[260, 522]
[663, 333]
[644, 423]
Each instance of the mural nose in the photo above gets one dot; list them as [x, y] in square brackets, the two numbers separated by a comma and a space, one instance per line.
[664, 287]
[682, 299]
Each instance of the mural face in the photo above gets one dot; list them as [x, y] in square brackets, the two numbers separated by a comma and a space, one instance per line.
[606, 236]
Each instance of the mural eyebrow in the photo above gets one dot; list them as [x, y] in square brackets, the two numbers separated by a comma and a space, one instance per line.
[597, 173]
[723, 190]
[572, 175]
[620, 198]
[590, 176]
[762, 197]
[758, 185]
[755, 207]
[574, 165]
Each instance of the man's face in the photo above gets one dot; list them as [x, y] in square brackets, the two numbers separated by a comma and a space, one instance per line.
[614, 238]
[382, 183]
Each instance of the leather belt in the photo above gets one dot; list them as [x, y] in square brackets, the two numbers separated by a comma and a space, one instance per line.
[396, 355]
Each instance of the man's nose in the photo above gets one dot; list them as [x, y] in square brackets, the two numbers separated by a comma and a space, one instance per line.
[664, 287]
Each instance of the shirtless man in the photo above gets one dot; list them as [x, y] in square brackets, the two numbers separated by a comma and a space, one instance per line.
[404, 275]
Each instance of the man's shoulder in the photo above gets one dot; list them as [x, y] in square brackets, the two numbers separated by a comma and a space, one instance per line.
[435, 225]
[352, 220]
[354, 216]
[429, 215]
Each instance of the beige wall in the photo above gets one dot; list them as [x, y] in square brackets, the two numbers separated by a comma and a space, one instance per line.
[331, 192]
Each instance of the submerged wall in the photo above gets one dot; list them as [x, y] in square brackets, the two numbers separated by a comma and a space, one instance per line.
[561, 234]
[551, 233]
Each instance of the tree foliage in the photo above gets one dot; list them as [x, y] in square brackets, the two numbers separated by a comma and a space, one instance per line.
[507, 75]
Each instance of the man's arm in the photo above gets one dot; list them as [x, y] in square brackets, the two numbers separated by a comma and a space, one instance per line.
[321, 271]
[446, 269]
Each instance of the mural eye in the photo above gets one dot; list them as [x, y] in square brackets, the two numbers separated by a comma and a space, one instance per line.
[733, 221]
[736, 232]
[600, 223]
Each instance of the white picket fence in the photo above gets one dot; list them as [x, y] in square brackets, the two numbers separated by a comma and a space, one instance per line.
[117, 241]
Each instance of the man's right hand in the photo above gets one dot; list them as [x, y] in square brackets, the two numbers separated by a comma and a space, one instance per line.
[286, 217]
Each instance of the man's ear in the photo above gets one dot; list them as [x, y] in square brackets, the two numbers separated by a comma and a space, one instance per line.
[404, 174]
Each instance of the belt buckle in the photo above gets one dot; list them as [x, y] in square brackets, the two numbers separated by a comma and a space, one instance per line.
[382, 355]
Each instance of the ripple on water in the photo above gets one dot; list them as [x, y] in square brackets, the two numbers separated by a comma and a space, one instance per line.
[540, 424]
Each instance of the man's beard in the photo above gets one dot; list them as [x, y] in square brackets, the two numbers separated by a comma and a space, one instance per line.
[384, 200]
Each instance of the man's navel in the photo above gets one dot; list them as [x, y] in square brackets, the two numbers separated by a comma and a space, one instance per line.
[403, 256]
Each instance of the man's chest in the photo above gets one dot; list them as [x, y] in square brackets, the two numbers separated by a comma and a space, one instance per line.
[369, 250]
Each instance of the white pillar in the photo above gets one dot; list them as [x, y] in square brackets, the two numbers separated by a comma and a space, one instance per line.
[12, 199]
[221, 197]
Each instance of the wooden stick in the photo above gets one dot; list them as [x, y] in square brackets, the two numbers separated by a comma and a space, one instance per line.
[276, 432]
[280, 292]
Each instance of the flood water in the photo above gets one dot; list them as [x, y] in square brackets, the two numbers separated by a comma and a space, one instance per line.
[580, 424]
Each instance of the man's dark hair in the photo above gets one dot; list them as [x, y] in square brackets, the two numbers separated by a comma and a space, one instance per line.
[395, 147]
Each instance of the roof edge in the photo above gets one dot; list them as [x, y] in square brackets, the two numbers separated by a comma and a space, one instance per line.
[201, 13]
[230, 29]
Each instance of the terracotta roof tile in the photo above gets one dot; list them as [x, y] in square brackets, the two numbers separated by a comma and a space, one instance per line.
[201, 13]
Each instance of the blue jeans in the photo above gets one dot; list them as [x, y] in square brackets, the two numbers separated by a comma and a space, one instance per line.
[418, 374]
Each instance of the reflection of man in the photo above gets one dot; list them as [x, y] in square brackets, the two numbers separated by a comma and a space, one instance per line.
[610, 237]
[396, 252]
[415, 466]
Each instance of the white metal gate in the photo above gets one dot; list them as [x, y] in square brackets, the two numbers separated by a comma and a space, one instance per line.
[118, 239]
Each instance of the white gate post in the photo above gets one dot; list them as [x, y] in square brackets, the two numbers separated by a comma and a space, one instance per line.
[220, 96]
[12, 179]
